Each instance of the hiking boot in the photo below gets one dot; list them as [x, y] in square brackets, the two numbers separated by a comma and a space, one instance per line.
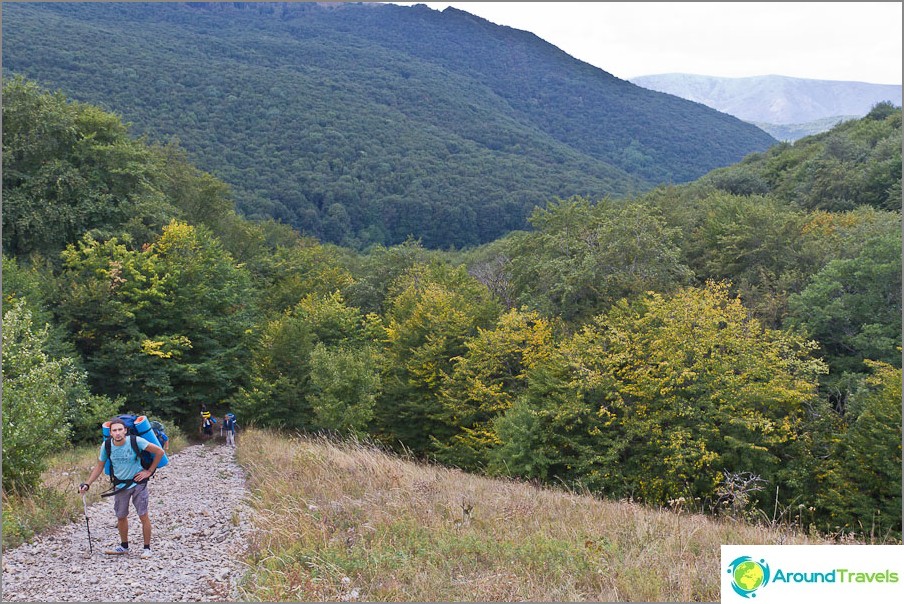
[146, 553]
[117, 551]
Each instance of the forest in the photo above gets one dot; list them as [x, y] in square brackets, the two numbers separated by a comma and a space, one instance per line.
[734, 341]
[363, 124]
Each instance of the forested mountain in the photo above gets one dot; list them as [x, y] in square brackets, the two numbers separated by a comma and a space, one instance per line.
[734, 341]
[365, 123]
[787, 108]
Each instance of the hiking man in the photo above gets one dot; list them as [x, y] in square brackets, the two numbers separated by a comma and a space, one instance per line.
[229, 426]
[131, 480]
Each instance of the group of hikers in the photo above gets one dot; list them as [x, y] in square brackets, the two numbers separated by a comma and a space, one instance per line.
[131, 460]
[228, 426]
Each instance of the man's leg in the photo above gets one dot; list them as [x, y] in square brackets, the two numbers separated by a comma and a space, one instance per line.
[140, 499]
[121, 508]
[123, 525]
[146, 528]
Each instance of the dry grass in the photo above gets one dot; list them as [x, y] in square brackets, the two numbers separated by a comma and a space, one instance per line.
[342, 522]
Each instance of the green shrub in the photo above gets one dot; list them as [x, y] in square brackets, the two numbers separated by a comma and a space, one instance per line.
[34, 400]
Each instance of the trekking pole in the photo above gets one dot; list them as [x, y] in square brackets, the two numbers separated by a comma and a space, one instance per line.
[87, 525]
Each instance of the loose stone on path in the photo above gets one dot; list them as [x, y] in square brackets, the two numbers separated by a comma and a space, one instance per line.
[201, 526]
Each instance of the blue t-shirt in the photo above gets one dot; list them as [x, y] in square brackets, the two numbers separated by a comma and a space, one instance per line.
[125, 463]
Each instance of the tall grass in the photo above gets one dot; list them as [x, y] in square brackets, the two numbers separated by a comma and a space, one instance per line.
[346, 521]
[56, 500]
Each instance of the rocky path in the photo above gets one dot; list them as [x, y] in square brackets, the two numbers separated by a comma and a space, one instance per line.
[201, 524]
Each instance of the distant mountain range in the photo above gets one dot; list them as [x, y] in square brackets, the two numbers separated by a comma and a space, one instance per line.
[363, 123]
[787, 108]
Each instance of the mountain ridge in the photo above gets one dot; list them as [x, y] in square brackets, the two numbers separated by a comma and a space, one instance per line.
[363, 124]
[773, 101]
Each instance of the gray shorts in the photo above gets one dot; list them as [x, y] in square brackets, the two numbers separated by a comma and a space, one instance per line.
[138, 495]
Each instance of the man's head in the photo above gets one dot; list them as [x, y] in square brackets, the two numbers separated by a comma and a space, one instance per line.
[118, 430]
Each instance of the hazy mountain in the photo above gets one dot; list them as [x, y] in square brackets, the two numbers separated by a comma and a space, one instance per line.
[365, 123]
[787, 108]
[793, 132]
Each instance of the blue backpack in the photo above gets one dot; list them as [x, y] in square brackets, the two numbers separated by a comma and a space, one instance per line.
[136, 425]
[159, 432]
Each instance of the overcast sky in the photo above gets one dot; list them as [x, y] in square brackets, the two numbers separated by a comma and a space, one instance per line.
[848, 41]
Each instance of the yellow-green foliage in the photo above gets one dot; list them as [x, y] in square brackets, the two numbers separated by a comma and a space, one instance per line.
[35, 391]
[865, 495]
[433, 310]
[487, 379]
[692, 385]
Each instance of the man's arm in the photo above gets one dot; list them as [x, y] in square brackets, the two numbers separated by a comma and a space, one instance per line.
[158, 455]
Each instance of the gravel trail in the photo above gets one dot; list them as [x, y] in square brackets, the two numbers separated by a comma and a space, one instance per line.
[201, 525]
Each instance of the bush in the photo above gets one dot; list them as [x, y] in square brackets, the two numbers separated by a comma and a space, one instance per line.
[34, 400]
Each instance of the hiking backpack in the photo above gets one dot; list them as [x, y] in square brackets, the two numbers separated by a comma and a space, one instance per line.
[159, 432]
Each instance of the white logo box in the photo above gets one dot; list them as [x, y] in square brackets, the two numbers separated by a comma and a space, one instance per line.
[773, 574]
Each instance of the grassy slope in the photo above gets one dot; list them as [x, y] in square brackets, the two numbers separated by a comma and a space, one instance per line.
[340, 522]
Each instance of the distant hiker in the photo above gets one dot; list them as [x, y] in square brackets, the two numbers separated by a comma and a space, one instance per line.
[229, 426]
[206, 421]
[130, 482]
[160, 433]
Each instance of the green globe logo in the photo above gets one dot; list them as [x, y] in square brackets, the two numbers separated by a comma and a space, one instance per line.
[748, 575]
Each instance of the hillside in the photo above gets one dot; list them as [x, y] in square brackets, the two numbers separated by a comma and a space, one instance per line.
[353, 519]
[367, 123]
[787, 108]
[562, 356]
[856, 163]
[350, 522]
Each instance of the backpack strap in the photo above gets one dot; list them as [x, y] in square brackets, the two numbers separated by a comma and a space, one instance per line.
[113, 480]
[108, 447]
